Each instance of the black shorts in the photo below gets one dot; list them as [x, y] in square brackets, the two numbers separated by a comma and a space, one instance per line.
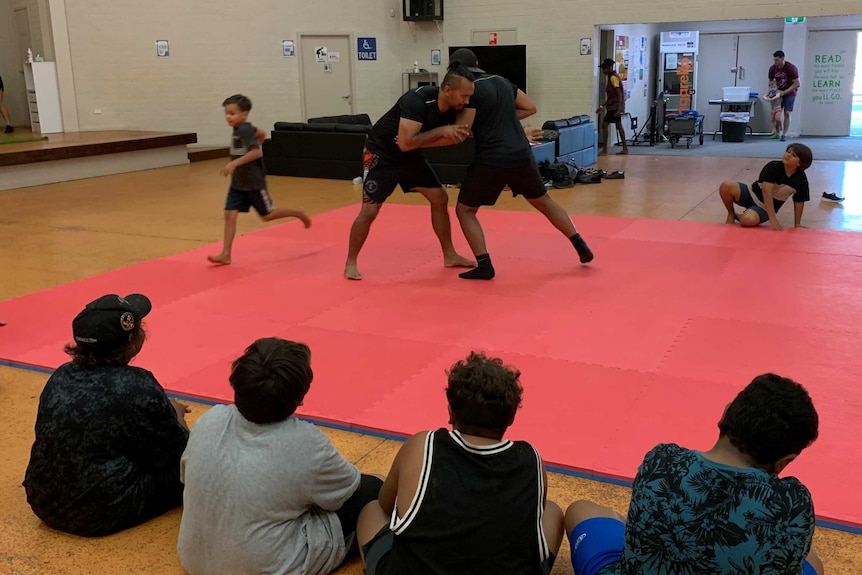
[1, 84]
[380, 178]
[376, 553]
[242, 200]
[612, 117]
[482, 184]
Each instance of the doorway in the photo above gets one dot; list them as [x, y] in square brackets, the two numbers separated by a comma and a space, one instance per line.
[327, 75]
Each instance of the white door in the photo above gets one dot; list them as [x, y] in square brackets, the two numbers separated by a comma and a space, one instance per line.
[327, 75]
[753, 60]
[716, 64]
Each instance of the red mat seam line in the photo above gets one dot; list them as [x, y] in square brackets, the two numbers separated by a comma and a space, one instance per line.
[676, 339]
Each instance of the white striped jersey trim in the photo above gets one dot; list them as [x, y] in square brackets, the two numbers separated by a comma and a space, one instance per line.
[480, 449]
[544, 550]
[267, 200]
[399, 524]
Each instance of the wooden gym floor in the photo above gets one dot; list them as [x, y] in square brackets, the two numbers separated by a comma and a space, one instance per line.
[57, 233]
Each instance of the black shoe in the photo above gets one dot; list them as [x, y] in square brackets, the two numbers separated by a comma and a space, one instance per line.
[615, 176]
[827, 197]
[9, 129]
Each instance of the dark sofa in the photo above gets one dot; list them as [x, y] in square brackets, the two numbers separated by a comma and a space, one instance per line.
[331, 147]
[327, 147]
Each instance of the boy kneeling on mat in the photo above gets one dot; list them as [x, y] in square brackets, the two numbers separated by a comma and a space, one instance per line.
[778, 181]
[719, 512]
[465, 500]
[264, 491]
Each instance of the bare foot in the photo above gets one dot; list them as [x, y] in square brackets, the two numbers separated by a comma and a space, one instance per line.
[458, 261]
[602, 153]
[2, 323]
[219, 260]
[623, 152]
[732, 218]
[304, 219]
[351, 273]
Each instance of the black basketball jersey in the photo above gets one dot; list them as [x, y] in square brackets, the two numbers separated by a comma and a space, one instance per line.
[500, 138]
[477, 510]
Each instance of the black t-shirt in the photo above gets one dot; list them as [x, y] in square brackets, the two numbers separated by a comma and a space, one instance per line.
[98, 432]
[499, 135]
[418, 105]
[774, 173]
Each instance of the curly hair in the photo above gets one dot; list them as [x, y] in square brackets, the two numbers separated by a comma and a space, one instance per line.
[771, 418]
[85, 355]
[484, 395]
[271, 379]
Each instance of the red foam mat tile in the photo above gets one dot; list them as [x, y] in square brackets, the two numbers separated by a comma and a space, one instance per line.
[644, 345]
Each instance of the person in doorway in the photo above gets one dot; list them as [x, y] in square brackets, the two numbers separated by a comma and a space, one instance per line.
[421, 118]
[723, 511]
[614, 107]
[248, 178]
[779, 180]
[503, 157]
[4, 111]
[786, 76]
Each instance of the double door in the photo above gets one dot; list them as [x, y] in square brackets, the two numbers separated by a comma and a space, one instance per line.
[735, 60]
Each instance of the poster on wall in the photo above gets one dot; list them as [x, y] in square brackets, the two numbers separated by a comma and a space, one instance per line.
[827, 83]
[621, 56]
[288, 48]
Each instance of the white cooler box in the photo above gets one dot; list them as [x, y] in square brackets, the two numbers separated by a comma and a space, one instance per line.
[736, 93]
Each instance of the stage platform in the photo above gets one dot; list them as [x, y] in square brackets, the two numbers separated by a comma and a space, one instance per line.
[78, 155]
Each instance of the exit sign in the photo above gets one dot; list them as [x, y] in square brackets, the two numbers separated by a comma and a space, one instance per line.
[796, 20]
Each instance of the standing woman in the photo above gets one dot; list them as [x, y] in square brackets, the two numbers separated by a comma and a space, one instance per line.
[4, 111]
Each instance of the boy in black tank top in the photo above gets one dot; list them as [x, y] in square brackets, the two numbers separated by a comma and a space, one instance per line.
[466, 500]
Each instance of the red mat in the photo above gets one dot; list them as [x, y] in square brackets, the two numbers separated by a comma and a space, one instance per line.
[645, 345]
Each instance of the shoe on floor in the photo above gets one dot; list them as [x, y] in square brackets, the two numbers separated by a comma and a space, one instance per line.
[615, 176]
[9, 129]
[828, 197]
[783, 138]
[775, 136]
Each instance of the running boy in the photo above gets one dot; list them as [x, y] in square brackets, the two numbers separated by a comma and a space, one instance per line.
[773, 96]
[248, 180]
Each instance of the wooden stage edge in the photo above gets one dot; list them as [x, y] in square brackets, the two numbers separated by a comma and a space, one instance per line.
[73, 145]
[80, 155]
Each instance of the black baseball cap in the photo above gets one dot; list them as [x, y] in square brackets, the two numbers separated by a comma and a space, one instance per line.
[106, 322]
[607, 63]
[468, 58]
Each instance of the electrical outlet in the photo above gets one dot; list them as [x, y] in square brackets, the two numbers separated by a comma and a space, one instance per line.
[97, 111]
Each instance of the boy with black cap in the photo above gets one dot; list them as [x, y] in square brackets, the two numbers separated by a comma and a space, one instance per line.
[614, 106]
[503, 157]
[108, 439]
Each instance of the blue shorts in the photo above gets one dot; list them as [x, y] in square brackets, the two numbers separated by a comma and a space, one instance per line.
[596, 543]
[243, 200]
[746, 200]
[787, 102]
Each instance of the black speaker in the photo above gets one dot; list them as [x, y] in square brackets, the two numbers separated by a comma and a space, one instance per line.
[416, 10]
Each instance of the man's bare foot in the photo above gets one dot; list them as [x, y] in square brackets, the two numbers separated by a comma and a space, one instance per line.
[219, 260]
[458, 261]
[351, 272]
[2, 323]
[623, 152]
[731, 218]
[304, 219]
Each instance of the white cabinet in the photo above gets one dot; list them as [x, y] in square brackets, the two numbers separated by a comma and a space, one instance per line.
[43, 97]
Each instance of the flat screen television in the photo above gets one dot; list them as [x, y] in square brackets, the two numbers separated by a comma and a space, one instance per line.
[509, 62]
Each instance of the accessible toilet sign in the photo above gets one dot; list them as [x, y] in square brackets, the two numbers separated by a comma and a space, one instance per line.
[366, 48]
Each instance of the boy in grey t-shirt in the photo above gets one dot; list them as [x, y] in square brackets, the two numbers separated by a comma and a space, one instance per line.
[264, 491]
[248, 179]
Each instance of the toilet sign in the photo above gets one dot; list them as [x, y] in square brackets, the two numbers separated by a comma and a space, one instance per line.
[366, 48]
[492, 38]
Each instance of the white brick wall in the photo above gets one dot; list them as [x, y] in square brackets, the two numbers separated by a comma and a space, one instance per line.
[219, 47]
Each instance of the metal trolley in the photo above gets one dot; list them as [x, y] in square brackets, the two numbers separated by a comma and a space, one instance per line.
[686, 126]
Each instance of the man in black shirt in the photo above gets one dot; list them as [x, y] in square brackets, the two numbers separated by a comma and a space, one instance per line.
[779, 180]
[393, 156]
[503, 157]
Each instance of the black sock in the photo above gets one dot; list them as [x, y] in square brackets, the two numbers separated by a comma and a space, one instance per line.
[483, 270]
[584, 251]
